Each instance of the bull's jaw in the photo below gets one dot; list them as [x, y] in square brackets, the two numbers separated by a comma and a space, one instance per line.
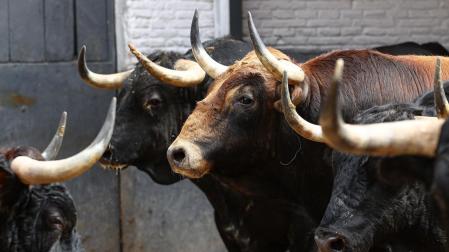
[186, 158]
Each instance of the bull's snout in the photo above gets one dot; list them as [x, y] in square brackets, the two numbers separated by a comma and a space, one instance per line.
[187, 159]
[327, 241]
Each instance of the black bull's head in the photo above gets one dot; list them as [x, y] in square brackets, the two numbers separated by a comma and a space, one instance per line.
[379, 200]
[153, 103]
[364, 213]
[36, 214]
[39, 218]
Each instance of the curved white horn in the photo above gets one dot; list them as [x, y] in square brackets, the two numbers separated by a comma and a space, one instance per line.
[275, 66]
[411, 137]
[54, 146]
[187, 74]
[104, 81]
[296, 122]
[32, 171]
[212, 68]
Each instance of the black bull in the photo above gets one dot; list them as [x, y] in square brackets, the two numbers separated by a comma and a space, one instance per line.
[150, 115]
[380, 200]
[34, 218]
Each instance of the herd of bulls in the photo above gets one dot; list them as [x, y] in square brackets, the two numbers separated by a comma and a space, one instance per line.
[283, 172]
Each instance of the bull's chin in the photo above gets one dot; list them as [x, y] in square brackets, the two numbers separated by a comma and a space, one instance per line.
[191, 173]
[106, 164]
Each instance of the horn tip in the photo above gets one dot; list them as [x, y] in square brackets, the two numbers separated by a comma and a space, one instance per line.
[63, 123]
[195, 14]
[339, 64]
[114, 101]
[250, 21]
[83, 70]
[134, 51]
[82, 53]
[64, 117]
[340, 61]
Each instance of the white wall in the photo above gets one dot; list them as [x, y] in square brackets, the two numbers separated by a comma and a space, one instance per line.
[309, 25]
[330, 24]
[159, 24]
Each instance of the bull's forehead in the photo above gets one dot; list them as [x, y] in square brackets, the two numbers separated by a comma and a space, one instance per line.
[239, 72]
[228, 84]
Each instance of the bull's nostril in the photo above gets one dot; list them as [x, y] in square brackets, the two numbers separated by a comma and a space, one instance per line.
[178, 155]
[336, 244]
[330, 242]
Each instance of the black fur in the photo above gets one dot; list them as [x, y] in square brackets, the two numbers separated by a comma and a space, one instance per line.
[406, 48]
[377, 202]
[35, 218]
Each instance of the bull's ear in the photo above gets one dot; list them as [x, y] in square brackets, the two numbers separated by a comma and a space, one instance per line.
[278, 106]
[398, 171]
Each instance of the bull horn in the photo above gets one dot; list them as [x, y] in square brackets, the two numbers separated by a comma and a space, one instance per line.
[441, 104]
[53, 148]
[411, 137]
[187, 74]
[104, 81]
[212, 68]
[275, 66]
[32, 171]
[296, 122]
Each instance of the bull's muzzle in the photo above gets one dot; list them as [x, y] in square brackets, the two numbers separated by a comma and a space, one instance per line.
[187, 159]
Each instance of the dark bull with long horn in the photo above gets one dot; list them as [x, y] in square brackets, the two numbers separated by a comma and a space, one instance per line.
[31, 171]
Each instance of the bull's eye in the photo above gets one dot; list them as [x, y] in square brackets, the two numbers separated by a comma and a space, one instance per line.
[245, 100]
[152, 103]
[56, 222]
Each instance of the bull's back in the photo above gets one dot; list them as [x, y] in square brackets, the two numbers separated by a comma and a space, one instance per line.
[372, 78]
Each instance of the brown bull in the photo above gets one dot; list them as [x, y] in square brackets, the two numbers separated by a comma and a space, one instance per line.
[371, 78]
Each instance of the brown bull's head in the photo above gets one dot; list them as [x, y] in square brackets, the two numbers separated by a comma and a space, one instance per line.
[234, 124]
